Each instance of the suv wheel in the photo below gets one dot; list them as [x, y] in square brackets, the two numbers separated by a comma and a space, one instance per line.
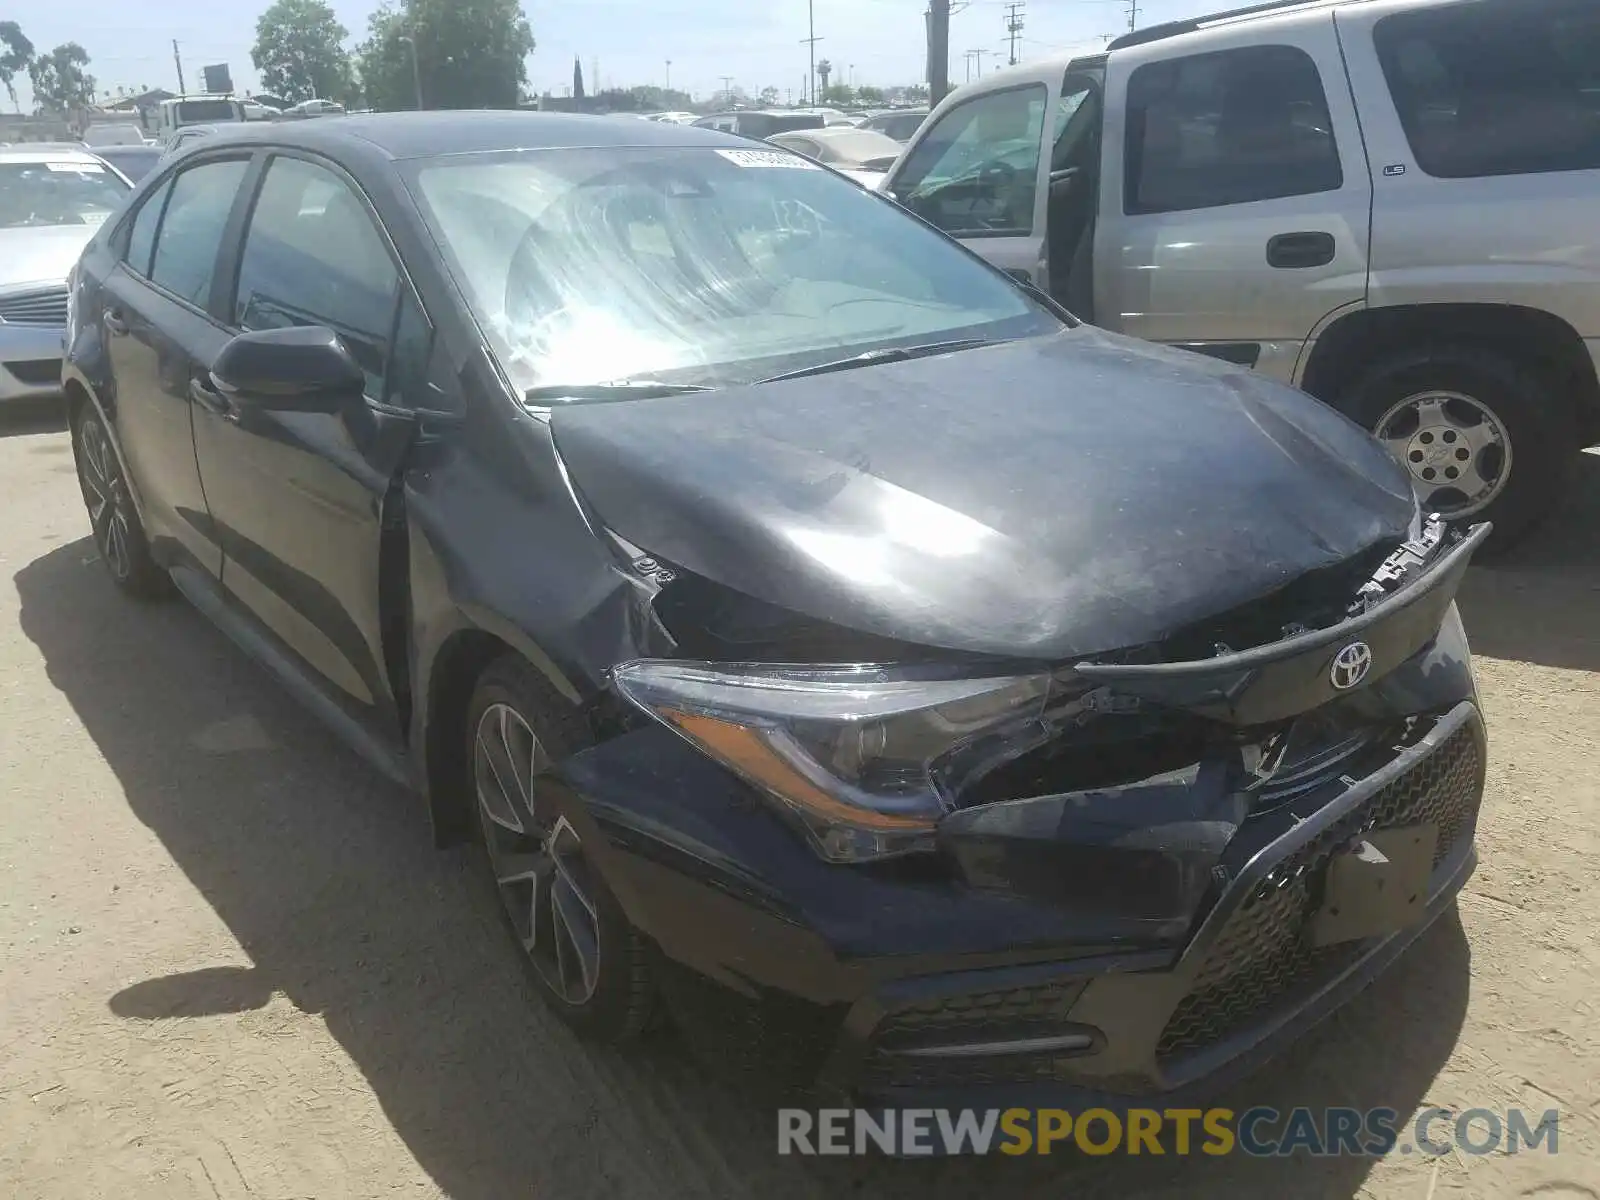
[587, 960]
[118, 534]
[1482, 436]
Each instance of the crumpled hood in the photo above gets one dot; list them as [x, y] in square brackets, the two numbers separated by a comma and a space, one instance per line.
[40, 254]
[1045, 498]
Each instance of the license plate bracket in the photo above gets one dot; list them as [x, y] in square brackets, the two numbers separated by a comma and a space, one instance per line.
[1377, 885]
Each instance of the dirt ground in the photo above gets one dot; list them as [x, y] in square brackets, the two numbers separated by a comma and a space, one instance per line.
[231, 966]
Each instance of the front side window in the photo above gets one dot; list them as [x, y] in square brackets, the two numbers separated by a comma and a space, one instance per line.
[58, 192]
[699, 266]
[1231, 127]
[142, 235]
[191, 230]
[1497, 89]
[313, 256]
[975, 173]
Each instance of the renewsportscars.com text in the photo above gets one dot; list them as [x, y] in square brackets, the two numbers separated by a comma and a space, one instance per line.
[1258, 1132]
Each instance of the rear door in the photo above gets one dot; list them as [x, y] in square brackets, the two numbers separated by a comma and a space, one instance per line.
[974, 172]
[1236, 197]
[159, 333]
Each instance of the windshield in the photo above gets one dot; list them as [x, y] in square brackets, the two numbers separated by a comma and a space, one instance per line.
[57, 193]
[701, 266]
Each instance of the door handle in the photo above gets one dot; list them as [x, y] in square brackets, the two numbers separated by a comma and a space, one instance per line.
[208, 398]
[1296, 251]
[115, 325]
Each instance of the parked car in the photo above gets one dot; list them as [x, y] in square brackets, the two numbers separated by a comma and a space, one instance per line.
[113, 133]
[843, 147]
[1305, 189]
[51, 202]
[822, 633]
[901, 124]
[134, 162]
[315, 108]
[760, 125]
[188, 112]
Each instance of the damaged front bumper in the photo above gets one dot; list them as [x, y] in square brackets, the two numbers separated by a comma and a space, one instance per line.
[1147, 939]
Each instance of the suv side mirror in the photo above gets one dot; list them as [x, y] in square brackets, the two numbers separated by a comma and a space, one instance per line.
[298, 369]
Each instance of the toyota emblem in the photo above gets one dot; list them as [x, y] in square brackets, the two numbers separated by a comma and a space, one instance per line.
[1350, 666]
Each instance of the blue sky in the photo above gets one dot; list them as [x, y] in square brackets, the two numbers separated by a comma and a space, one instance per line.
[758, 44]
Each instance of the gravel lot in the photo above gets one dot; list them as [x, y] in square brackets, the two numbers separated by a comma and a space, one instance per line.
[231, 966]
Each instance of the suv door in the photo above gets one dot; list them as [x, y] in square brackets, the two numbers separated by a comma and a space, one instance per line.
[299, 498]
[974, 173]
[1235, 195]
[160, 335]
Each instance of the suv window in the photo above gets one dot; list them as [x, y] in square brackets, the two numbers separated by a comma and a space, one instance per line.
[142, 234]
[313, 256]
[1228, 128]
[975, 173]
[1497, 89]
[192, 227]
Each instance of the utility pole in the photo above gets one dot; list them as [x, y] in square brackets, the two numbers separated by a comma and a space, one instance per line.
[594, 76]
[811, 45]
[1133, 15]
[727, 90]
[938, 17]
[177, 61]
[1014, 25]
[977, 57]
[669, 75]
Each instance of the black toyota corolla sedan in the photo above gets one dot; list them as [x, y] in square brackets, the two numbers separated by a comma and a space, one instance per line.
[824, 637]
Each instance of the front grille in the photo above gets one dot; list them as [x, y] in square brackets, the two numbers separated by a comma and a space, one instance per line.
[38, 372]
[1261, 963]
[1036, 1010]
[47, 306]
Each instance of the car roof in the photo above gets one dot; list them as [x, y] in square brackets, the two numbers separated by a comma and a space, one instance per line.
[53, 151]
[400, 135]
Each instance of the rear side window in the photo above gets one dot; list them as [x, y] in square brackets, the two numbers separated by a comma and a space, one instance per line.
[1228, 128]
[1497, 88]
[313, 256]
[976, 172]
[142, 236]
[191, 230]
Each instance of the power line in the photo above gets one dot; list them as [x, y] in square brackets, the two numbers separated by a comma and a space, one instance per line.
[1014, 25]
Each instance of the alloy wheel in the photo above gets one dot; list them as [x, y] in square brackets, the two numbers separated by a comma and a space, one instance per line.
[1456, 449]
[105, 494]
[544, 879]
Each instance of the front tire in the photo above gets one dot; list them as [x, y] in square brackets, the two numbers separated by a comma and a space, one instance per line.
[588, 962]
[118, 533]
[1483, 437]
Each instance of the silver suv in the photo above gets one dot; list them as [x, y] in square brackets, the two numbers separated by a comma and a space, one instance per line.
[1389, 203]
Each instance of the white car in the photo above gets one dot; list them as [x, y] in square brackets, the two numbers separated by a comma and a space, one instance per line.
[52, 200]
[862, 154]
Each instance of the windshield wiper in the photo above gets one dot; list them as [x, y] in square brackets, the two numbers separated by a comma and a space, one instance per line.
[624, 389]
[887, 355]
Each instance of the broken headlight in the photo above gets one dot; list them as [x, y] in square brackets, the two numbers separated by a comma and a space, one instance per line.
[858, 756]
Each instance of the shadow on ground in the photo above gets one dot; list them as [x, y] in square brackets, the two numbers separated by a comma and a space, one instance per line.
[1541, 602]
[325, 876]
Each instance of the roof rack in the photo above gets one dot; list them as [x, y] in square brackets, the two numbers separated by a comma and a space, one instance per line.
[1157, 33]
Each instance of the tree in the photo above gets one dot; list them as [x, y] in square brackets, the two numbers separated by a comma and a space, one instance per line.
[838, 94]
[869, 95]
[577, 78]
[769, 96]
[17, 58]
[60, 83]
[300, 53]
[469, 54]
[824, 69]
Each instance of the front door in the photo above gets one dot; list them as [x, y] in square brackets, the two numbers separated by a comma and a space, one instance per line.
[1235, 217]
[157, 330]
[298, 497]
[974, 173]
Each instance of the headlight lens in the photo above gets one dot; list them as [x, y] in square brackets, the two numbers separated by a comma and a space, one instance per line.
[860, 756]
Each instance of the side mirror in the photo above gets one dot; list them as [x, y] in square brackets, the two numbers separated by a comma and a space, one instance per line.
[299, 369]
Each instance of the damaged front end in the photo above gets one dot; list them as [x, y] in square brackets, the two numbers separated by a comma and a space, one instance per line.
[1140, 841]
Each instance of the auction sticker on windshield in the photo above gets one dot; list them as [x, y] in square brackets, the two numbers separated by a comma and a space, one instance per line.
[76, 168]
[768, 158]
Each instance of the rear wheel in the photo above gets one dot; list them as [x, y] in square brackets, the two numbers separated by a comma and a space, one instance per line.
[118, 533]
[1483, 437]
[587, 960]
